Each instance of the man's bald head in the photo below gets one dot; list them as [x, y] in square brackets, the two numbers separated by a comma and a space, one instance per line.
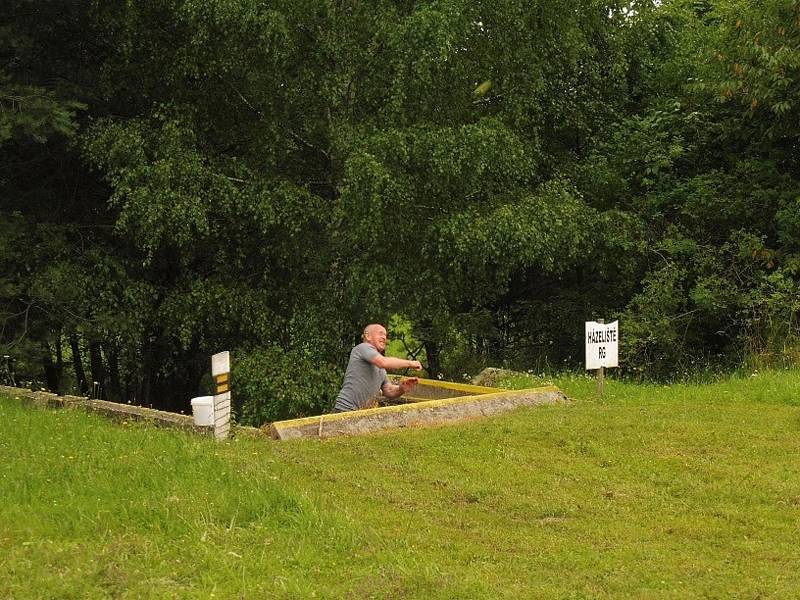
[370, 329]
[375, 334]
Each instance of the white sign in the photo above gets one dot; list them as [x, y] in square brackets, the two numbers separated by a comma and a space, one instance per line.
[221, 363]
[221, 370]
[602, 342]
[222, 415]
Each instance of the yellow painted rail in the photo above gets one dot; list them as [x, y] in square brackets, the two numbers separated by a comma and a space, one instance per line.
[486, 402]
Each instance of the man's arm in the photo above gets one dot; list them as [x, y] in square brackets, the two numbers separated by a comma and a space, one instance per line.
[393, 391]
[390, 362]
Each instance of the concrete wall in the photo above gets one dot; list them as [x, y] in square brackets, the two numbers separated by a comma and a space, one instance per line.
[434, 389]
[452, 402]
[427, 412]
[116, 411]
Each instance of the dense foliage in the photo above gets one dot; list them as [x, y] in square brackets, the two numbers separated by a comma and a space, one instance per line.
[180, 177]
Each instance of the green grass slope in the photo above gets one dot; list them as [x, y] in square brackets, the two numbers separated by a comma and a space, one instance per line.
[686, 491]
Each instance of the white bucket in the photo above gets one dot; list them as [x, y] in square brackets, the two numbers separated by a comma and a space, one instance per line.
[203, 410]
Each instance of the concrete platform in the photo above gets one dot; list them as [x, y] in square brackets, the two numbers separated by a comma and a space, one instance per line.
[469, 402]
[117, 411]
[432, 402]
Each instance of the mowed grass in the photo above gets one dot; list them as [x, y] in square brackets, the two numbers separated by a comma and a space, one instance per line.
[649, 492]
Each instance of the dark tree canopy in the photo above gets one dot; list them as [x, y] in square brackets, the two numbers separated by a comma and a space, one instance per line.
[183, 176]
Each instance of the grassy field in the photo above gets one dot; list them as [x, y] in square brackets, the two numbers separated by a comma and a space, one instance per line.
[651, 492]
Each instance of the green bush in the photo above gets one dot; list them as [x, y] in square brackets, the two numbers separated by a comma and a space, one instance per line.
[272, 385]
[706, 307]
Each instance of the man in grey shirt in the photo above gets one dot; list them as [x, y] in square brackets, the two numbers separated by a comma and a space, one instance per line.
[366, 372]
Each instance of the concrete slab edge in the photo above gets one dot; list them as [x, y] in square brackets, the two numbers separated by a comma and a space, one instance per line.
[472, 390]
[417, 414]
[118, 412]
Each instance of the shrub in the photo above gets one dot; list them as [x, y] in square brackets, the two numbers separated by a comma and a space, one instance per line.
[272, 384]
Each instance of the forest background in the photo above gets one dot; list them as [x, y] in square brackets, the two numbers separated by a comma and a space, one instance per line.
[181, 177]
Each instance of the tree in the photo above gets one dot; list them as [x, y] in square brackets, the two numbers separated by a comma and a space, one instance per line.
[716, 182]
[266, 177]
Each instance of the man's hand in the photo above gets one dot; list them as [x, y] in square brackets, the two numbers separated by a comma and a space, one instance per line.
[416, 365]
[408, 384]
[395, 390]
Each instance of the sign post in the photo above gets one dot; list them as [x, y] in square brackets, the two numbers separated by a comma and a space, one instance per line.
[602, 348]
[221, 372]
[601, 372]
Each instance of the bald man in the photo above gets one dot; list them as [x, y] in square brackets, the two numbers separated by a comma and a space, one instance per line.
[366, 372]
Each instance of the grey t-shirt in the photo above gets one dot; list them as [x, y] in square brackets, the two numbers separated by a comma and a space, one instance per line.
[362, 380]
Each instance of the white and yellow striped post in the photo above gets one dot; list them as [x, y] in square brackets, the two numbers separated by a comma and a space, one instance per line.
[221, 372]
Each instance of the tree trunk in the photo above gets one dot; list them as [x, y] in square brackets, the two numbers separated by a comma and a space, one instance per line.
[59, 361]
[115, 389]
[432, 352]
[51, 375]
[77, 363]
[98, 368]
[147, 370]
